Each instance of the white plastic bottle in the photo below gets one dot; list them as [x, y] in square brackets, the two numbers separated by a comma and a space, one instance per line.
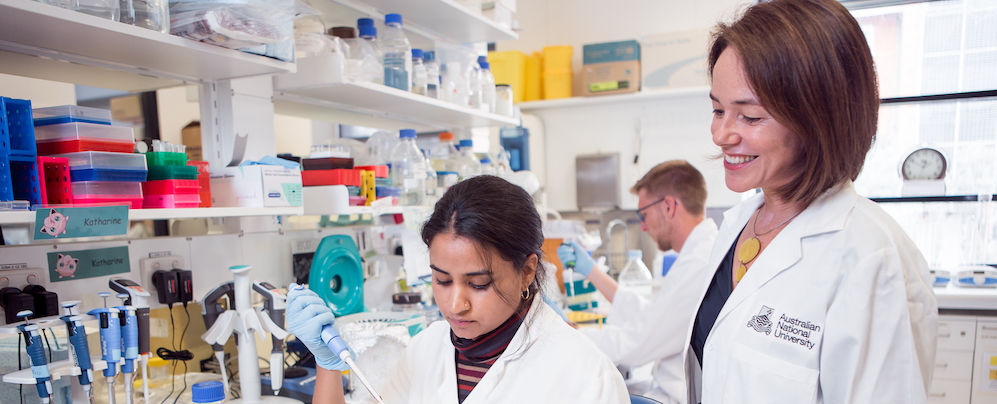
[408, 169]
[419, 79]
[468, 165]
[432, 74]
[397, 54]
[487, 82]
[635, 276]
[368, 33]
[474, 81]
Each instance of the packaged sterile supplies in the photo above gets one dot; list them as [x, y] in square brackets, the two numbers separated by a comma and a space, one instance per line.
[236, 24]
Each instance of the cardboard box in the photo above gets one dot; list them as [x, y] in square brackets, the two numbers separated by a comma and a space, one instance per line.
[611, 68]
[256, 186]
[190, 136]
[676, 59]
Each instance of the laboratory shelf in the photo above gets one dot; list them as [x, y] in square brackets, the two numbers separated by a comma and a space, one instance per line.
[57, 370]
[166, 214]
[427, 19]
[47, 42]
[42, 322]
[319, 91]
[615, 99]
[951, 198]
[954, 297]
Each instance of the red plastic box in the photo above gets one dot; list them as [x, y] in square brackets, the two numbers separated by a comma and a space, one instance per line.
[172, 201]
[53, 181]
[204, 179]
[164, 187]
[73, 146]
[330, 177]
[102, 200]
[379, 171]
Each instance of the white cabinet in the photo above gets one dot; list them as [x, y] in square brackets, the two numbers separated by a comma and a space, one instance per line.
[952, 381]
[985, 369]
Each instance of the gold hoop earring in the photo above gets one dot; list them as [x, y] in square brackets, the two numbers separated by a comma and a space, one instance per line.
[526, 294]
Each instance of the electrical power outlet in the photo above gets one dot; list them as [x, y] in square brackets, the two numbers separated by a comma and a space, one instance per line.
[150, 265]
[20, 278]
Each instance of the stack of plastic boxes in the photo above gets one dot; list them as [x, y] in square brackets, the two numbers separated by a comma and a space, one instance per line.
[333, 171]
[102, 168]
[19, 184]
[172, 183]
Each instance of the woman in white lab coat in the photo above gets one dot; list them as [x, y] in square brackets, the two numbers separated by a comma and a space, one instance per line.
[818, 296]
[500, 342]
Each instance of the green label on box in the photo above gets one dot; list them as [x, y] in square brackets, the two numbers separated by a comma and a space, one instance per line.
[293, 192]
[69, 265]
[81, 222]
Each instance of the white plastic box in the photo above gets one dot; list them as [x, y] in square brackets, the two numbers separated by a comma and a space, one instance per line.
[256, 186]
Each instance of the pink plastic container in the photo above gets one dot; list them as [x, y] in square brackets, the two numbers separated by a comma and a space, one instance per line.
[172, 201]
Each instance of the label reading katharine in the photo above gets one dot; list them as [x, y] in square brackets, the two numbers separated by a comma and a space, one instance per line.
[786, 328]
[68, 222]
[70, 265]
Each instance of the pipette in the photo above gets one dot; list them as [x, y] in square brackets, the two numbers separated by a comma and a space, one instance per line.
[139, 299]
[78, 347]
[274, 304]
[110, 342]
[569, 275]
[129, 344]
[335, 342]
[36, 357]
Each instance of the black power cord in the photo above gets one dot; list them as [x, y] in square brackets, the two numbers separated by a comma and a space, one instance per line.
[176, 354]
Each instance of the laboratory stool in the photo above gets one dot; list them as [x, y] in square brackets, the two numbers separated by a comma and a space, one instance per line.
[642, 400]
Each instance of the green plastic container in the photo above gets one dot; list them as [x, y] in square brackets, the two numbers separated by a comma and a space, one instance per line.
[172, 173]
[166, 159]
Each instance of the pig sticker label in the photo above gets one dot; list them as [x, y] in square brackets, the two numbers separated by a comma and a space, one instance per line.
[72, 222]
[81, 264]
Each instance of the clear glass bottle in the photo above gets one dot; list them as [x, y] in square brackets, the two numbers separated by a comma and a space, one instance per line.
[149, 14]
[370, 50]
[419, 76]
[503, 100]
[635, 276]
[487, 82]
[474, 81]
[397, 54]
[446, 155]
[487, 168]
[408, 169]
[432, 181]
[432, 74]
[468, 165]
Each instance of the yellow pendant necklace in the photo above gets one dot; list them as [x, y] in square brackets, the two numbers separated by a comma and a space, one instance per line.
[751, 246]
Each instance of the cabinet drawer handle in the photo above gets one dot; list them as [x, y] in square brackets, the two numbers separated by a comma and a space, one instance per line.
[941, 365]
[946, 335]
[938, 395]
[985, 328]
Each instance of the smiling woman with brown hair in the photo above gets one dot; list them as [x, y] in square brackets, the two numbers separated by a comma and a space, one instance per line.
[818, 295]
[500, 341]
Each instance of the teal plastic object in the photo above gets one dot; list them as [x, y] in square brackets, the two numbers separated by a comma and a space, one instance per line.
[337, 275]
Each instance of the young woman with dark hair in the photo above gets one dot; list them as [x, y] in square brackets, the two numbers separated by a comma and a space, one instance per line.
[500, 341]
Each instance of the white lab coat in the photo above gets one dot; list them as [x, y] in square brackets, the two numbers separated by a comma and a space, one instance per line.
[652, 330]
[837, 309]
[546, 362]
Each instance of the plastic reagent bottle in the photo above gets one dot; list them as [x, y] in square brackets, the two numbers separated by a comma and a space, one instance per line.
[408, 169]
[475, 83]
[445, 158]
[369, 35]
[419, 84]
[487, 82]
[432, 74]
[432, 180]
[635, 276]
[487, 168]
[397, 54]
[468, 165]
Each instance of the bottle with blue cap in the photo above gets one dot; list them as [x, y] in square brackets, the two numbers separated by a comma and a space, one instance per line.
[468, 164]
[370, 48]
[408, 169]
[487, 81]
[208, 392]
[419, 79]
[432, 74]
[397, 54]
[635, 276]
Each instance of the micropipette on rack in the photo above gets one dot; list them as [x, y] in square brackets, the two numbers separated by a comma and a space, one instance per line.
[36, 357]
[110, 342]
[129, 343]
[78, 347]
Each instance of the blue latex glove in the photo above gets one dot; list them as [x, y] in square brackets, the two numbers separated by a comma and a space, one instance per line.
[556, 307]
[572, 251]
[306, 315]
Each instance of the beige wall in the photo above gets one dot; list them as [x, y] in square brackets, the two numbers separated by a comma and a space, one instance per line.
[42, 93]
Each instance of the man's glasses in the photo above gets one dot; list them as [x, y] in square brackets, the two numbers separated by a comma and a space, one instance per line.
[641, 216]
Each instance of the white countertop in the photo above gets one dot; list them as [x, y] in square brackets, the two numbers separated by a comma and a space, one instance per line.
[966, 298]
